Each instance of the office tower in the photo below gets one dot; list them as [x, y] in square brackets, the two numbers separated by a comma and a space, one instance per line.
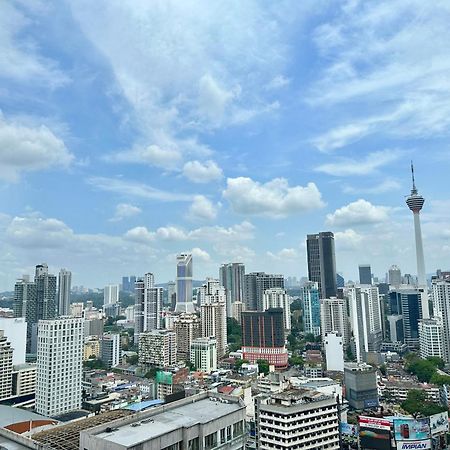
[187, 327]
[365, 319]
[172, 294]
[441, 309]
[395, 276]
[432, 339]
[263, 337]
[340, 282]
[184, 302]
[15, 331]
[213, 324]
[297, 418]
[309, 297]
[202, 421]
[211, 292]
[361, 389]
[406, 303]
[231, 277]
[45, 293]
[158, 348]
[111, 294]
[110, 349]
[255, 284]
[415, 203]
[148, 305]
[237, 309]
[59, 366]
[322, 262]
[396, 328]
[365, 274]
[64, 284]
[6, 367]
[334, 352]
[128, 283]
[333, 318]
[204, 354]
[278, 298]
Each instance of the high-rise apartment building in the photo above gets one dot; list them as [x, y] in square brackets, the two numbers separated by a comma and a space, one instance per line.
[64, 285]
[322, 262]
[263, 337]
[59, 366]
[204, 354]
[111, 294]
[333, 318]
[213, 318]
[110, 349]
[237, 308]
[6, 367]
[415, 204]
[432, 339]
[255, 284]
[187, 327]
[365, 274]
[441, 310]
[211, 292]
[148, 305]
[231, 277]
[297, 418]
[184, 302]
[158, 348]
[309, 296]
[278, 298]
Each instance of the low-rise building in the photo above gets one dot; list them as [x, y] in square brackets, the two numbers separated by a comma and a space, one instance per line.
[24, 379]
[203, 421]
[297, 418]
[204, 354]
[91, 348]
[361, 388]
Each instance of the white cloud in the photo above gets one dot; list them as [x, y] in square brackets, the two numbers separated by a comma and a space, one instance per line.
[343, 167]
[273, 199]
[19, 59]
[202, 209]
[199, 172]
[124, 211]
[387, 185]
[153, 155]
[348, 239]
[359, 212]
[26, 148]
[284, 254]
[133, 189]
[171, 233]
[341, 136]
[198, 253]
[278, 82]
[140, 235]
[239, 232]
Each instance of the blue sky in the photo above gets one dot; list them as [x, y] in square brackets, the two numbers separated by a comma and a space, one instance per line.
[130, 131]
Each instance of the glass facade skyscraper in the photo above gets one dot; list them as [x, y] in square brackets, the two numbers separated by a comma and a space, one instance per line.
[184, 284]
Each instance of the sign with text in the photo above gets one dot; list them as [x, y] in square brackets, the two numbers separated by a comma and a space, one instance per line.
[414, 445]
[409, 429]
[374, 433]
[439, 423]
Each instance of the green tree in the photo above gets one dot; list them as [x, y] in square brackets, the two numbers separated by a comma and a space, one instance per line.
[422, 368]
[263, 366]
[151, 373]
[296, 361]
[296, 305]
[94, 363]
[349, 354]
[133, 359]
[438, 362]
[383, 369]
[416, 403]
[239, 362]
[439, 379]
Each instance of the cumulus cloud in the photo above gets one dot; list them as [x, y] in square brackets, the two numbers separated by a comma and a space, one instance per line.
[343, 167]
[124, 211]
[140, 235]
[202, 209]
[273, 199]
[348, 239]
[360, 212]
[199, 172]
[26, 148]
[239, 232]
[387, 185]
[284, 254]
[198, 253]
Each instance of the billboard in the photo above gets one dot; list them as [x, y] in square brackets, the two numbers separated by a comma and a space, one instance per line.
[374, 433]
[414, 445]
[409, 429]
[348, 429]
[439, 423]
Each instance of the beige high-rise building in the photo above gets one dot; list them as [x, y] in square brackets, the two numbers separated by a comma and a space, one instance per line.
[237, 308]
[6, 367]
[187, 328]
[278, 298]
[158, 348]
[214, 324]
[333, 318]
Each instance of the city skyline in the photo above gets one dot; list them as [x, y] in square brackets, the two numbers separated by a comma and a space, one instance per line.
[245, 159]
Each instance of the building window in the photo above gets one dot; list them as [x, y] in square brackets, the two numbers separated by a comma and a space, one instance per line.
[229, 433]
[222, 436]
[194, 444]
[238, 429]
[211, 441]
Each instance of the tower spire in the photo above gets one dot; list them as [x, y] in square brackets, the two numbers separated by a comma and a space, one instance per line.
[414, 189]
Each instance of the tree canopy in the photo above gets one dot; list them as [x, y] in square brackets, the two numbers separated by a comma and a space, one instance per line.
[417, 403]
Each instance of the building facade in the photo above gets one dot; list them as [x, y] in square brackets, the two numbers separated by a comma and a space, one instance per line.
[15, 330]
[231, 277]
[432, 339]
[59, 366]
[365, 274]
[111, 294]
[278, 298]
[255, 284]
[184, 292]
[6, 367]
[110, 349]
[309, 296]
[64, 286]
[204, 354]
[187, 327]
[214, 324]
[361, 389]
[322, 262]
[333, 318]
[158, 348]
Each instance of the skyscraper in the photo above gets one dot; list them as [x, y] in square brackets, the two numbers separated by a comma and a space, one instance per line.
[365, 274]
[278, 298]
[6, 366]
[111, 294]
[148, 305]
[255, 284]
[187, 327]
[59, 366]
[406, 303]
[333, 318]
[415, 203]
[231, 277]
[322, 262]
[395, 276]
[64, 283]
[309, 296]
[441, 309]
[184, 284]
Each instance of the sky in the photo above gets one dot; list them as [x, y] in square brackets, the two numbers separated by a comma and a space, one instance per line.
[131, 131]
